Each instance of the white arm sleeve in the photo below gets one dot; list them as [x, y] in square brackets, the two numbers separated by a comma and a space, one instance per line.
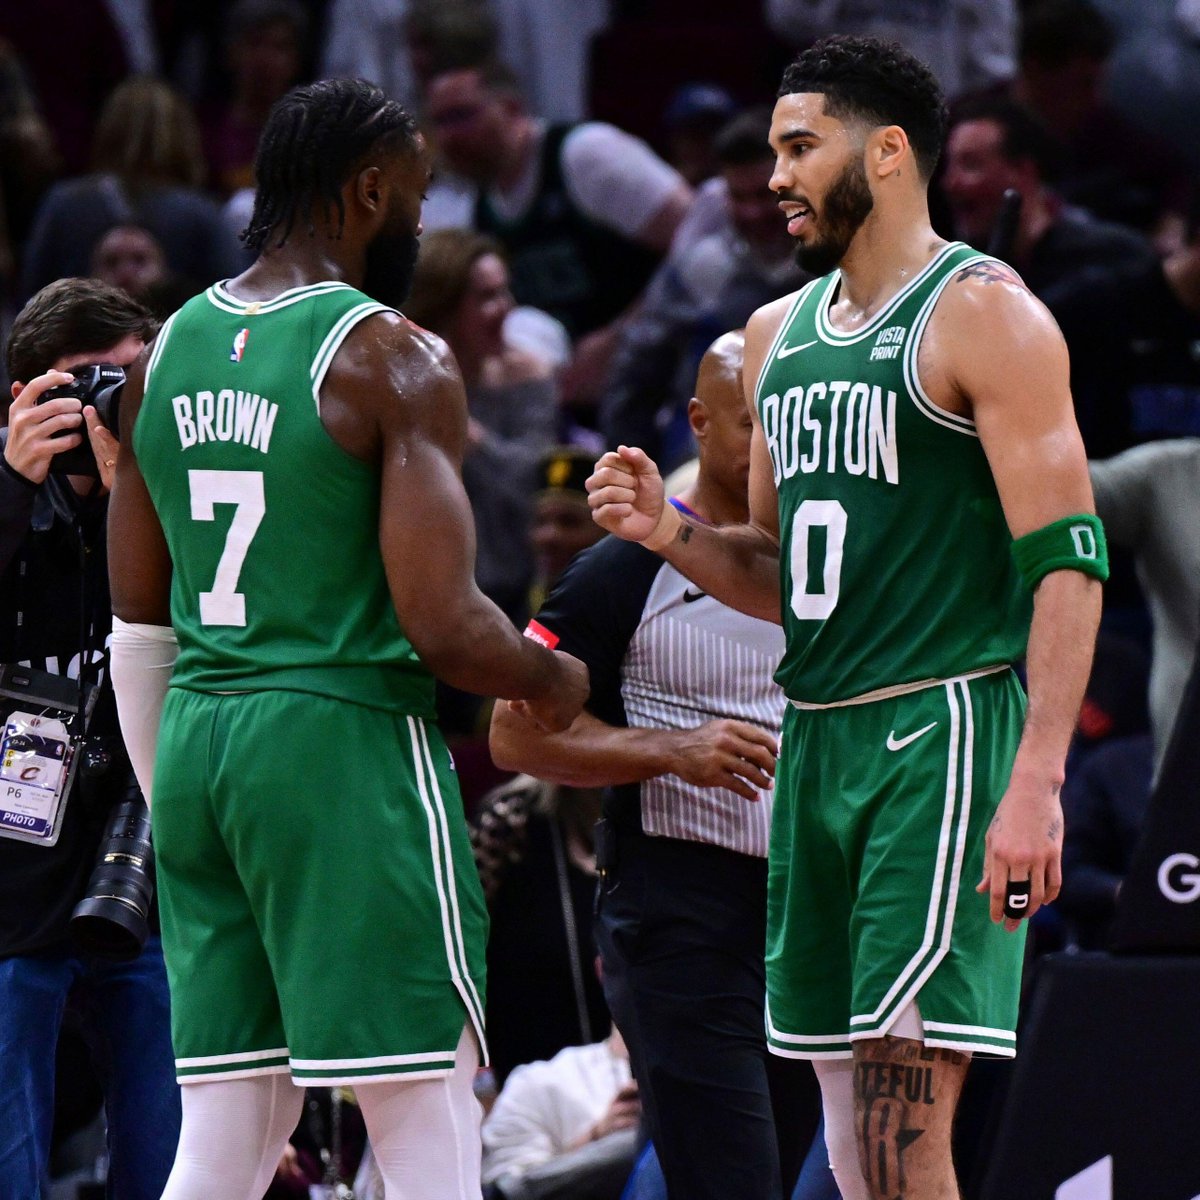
[143, 657]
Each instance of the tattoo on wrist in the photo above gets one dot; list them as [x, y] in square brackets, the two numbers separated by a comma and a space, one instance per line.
[686, 534]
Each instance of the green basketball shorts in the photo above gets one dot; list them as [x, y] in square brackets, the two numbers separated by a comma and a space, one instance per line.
[321, 912]
[877, 841]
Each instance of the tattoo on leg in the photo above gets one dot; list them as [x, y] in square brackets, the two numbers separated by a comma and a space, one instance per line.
[897, 1102]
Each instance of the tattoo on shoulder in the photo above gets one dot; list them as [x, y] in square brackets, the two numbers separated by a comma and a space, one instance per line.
[989, 272]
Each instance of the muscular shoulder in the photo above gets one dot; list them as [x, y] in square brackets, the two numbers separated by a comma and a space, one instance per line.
[389, 349]
[761, 329]
[390, 374]
[987, 326]
[988, 293]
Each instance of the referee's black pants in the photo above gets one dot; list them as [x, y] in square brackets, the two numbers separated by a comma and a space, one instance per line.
[681, 929]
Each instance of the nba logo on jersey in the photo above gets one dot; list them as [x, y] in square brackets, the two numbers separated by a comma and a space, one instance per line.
[239, 345]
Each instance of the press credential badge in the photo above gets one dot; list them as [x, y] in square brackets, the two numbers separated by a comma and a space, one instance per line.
[35, 754]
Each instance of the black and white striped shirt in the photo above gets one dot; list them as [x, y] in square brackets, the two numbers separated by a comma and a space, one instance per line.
[664, 655]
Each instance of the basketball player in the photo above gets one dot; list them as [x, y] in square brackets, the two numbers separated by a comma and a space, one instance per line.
[288, 497]
[917, 487]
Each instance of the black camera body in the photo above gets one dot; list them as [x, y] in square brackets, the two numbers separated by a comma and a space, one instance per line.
[98, 384]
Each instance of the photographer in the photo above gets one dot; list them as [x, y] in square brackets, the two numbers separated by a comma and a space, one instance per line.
[55, 617]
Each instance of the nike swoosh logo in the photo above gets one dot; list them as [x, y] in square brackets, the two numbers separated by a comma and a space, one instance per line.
[784, 351]
[895, 743]
[690, 597]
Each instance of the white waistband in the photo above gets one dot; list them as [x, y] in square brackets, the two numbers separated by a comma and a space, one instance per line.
[899, 689]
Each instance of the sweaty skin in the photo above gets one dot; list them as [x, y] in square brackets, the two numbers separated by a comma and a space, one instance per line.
[393, 396]
[990, 352]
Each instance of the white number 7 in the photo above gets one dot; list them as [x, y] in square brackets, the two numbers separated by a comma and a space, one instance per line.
[225, 605]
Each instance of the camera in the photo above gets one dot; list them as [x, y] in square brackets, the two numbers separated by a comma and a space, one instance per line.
[98, 384]
[112, 919]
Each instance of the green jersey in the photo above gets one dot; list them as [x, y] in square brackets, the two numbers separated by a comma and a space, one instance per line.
[273, 529]
[894, 551]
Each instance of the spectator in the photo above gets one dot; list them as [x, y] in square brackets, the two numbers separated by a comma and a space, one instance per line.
[1154, 75]
[583, 210]
[398, 44]
[564, 1129]
[1104, 805]
[695, 115]
[74, 55]
[461, 292]
[548, 45]
[1141, 323]
[1147, 499]
[148, 169]
[967, 44]
[1064, 50]
[129, 257]
[265, 47]
[703, 288]
[55, 618]
[534, 849]
[1060, 252]
[29, 162]
[562, 521]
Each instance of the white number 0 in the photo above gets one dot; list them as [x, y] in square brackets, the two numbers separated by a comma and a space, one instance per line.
[830, 515]
[225, 605]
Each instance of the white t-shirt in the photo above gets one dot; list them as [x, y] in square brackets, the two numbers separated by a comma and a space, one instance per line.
[545, 1106]
[612, 177]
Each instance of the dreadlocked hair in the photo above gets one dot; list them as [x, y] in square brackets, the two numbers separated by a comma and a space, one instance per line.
[314, 140]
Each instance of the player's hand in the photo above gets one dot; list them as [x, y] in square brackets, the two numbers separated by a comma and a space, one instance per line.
[727, 754]
[104, 445]
[1024, 843]
[562, 701]
[32, 426]
[626, 494]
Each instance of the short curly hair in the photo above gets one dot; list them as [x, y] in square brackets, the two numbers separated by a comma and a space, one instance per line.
[875, 81]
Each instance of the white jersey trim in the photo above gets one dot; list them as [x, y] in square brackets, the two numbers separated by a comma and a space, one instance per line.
[159, 343]
[900, 689]
[916, 393]
[333, 343]
[219, 295]
[780, 334]
[827, 333]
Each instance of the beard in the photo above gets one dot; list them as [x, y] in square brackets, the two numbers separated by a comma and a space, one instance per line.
[391, 261]
[846, 206]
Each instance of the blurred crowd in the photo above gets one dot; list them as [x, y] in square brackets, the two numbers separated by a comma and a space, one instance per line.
[600, 214]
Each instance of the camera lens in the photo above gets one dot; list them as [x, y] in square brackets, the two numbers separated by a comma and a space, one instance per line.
[112, 919]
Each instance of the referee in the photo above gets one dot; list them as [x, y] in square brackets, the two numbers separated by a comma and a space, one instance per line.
[681, 728]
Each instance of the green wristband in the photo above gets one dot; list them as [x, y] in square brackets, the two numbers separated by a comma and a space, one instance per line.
[1069, 544]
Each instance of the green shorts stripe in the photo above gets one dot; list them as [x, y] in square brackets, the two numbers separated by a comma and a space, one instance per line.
[439, 843]
[216, 1067]
[320, 907]
[947, 875]
[881, 815]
